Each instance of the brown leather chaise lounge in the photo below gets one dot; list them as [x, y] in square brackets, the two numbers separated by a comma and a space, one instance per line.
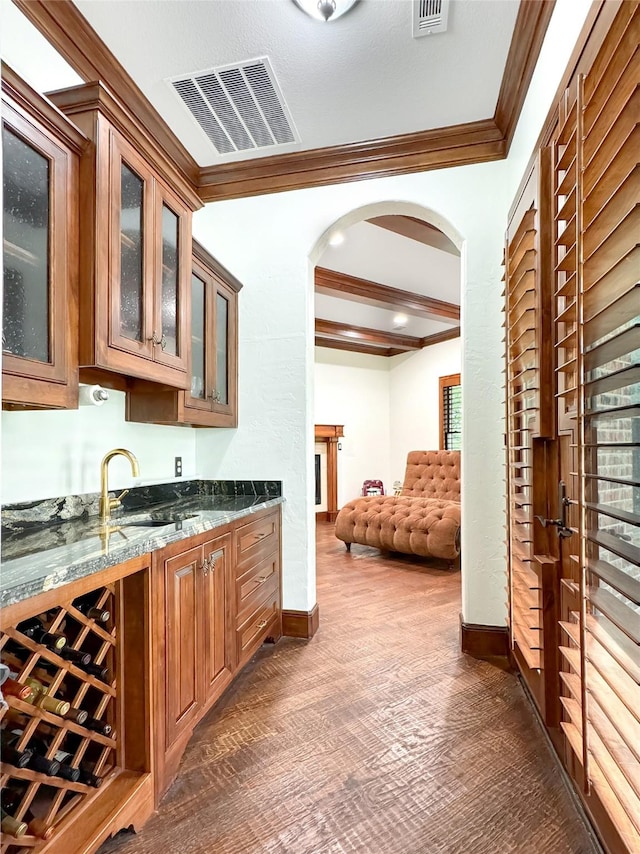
[423, 520]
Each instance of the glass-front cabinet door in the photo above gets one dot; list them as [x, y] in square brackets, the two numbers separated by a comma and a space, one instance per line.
[213, 325]
[173, 256]
[130, 297]
[223, 393]
[39, 174]
[198, 394]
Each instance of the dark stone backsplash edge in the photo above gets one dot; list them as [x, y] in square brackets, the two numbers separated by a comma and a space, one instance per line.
[52, 511]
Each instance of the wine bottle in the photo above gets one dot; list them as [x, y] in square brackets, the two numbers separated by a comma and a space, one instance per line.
[87, 605]
[75, 656]
[34, 629]
[37, 761]
[11, 798]
[40, 698]
[10, 754]
[88, 775]
[96, 725]
[12, 826]
[79, 716]
[12, 688]
[96, 670]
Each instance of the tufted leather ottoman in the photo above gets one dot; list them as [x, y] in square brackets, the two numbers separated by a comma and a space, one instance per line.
[423, 520]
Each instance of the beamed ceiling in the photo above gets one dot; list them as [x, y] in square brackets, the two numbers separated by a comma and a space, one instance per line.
[365, 99]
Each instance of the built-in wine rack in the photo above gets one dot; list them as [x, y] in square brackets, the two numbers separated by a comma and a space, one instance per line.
[59, 742]
[79, 667]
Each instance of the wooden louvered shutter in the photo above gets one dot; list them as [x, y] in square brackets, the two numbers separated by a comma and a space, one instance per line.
[602, 702]
[529, 419]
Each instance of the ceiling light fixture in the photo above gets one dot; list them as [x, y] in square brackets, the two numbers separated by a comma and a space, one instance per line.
[325, 10]
[336, 239]
[400, 321]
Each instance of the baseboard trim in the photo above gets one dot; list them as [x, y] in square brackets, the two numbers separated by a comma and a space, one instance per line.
[484, 642]
[301, 624]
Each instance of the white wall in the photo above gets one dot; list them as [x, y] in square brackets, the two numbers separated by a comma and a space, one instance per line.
[414, 413]
[49, 454]
[353, 389]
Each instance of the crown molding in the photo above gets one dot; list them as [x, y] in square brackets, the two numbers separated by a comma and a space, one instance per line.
[528, 35]
[474, 142]
[334, 283]
[457, 145]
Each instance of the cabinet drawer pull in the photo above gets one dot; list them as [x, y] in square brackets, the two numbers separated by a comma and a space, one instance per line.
[262, 579]
[262, 624]
[260, 536]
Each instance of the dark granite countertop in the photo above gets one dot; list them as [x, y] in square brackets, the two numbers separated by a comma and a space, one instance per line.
[39, 556]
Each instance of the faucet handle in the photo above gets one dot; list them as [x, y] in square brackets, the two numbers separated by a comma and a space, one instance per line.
[114, 503]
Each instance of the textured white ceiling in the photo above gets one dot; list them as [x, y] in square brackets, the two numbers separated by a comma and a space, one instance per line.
[375, 253]
[360, 77]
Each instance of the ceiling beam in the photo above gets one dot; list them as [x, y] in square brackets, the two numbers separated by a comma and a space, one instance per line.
[332, 283]
[355, 347]
[349, 332]
[416, 229]
[439, 337]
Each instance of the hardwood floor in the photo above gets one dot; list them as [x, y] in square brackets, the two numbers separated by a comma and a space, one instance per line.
[378, 737]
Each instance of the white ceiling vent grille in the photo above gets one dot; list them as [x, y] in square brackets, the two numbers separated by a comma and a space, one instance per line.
[239, 107]
[429, 16]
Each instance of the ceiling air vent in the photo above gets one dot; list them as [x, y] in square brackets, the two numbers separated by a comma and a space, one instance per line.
[239, 107]
[429, 16]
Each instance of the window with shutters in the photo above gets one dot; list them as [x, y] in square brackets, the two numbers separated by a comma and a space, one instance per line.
[450, 413]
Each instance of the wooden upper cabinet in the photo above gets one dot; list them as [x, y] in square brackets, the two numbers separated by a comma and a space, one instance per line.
[41, 150]
[135, 247]
[211, 399]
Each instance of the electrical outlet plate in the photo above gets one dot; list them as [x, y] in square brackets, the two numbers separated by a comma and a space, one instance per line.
[178, 467]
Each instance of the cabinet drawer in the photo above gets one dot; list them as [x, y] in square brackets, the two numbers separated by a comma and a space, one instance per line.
[258, 538]
[250, 586]
[251, 633]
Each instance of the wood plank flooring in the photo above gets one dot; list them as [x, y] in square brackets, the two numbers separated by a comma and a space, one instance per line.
[377, 737]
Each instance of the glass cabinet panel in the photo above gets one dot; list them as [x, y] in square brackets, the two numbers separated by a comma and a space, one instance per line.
[197, 337]
[170, 276]
[26, 237]
[131, 253]
[222, 335]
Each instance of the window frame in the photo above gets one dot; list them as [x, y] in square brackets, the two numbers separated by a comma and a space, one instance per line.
[445, 382]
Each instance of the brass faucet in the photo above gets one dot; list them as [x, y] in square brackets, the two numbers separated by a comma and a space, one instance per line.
[108, 504]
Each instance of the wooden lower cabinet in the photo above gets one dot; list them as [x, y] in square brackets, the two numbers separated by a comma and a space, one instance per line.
[171, 629]
[211, 612]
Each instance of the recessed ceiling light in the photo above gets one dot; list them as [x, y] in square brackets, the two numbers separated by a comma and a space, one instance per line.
[336, 239]
[400, 321]
[325, 10]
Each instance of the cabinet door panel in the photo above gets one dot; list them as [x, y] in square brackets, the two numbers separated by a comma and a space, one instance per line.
[39, 195]
[182, 640]
[129, 295]
[224, 393]
[171, 289]
[216, 663]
